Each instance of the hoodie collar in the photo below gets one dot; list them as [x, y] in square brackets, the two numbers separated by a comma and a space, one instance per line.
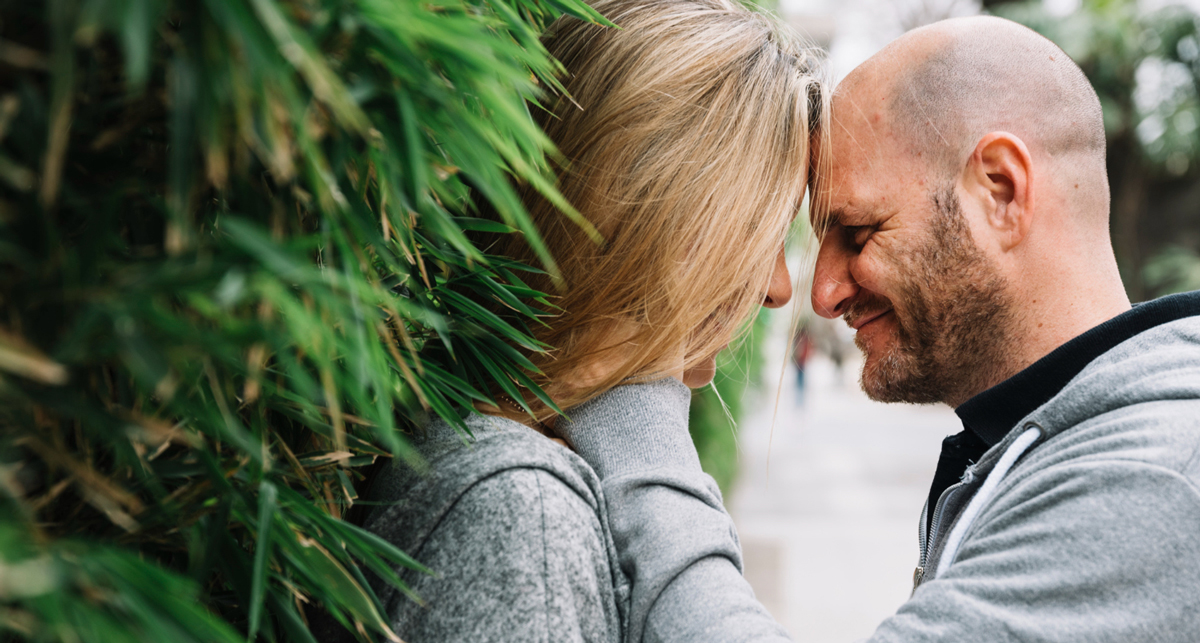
[991, 414]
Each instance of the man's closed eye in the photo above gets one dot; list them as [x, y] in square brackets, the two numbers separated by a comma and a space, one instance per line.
[858, 235]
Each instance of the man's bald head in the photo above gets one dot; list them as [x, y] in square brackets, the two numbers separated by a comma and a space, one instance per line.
[954, 81]
[965, 227]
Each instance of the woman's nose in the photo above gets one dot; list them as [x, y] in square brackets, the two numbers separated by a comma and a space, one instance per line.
[779, 292]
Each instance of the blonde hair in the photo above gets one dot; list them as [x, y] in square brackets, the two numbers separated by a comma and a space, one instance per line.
[685, 139]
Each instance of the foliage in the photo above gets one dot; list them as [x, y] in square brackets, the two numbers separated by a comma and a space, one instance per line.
[1145, 66]
[234, 269]
[1175, 269]
[716, 409]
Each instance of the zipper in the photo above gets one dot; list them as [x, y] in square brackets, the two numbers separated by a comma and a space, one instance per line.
[922, 528]
[969, 476]
[919, 571]
[927, 536]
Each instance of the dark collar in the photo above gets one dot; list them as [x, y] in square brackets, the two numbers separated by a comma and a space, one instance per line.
[994, 412]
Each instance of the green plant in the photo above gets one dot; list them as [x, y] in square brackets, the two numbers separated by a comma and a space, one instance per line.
[1174, 269]
[1145, 67]
[234, 269]
[718, 408]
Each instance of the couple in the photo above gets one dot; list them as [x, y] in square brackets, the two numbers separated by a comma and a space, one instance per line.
[962, 211]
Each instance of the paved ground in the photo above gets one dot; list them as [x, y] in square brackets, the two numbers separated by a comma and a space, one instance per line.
[828, 513]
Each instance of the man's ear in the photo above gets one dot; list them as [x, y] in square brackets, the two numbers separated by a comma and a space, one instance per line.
[998, 177]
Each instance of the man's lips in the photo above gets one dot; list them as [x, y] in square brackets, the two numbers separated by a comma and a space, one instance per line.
[868, 318]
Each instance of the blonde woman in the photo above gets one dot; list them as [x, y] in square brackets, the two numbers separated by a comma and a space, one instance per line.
[687, 141]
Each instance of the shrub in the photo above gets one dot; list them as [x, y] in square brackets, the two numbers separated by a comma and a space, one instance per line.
[230, 234]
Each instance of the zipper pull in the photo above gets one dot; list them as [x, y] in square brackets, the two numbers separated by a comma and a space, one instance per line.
[918, 576]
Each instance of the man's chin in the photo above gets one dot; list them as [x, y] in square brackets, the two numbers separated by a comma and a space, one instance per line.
[871, 379]
[892, 379]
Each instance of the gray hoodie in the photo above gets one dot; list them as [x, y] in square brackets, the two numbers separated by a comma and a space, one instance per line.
[1083, 524]
[516, 530]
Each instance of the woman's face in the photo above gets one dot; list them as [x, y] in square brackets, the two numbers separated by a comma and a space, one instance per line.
[779, 293]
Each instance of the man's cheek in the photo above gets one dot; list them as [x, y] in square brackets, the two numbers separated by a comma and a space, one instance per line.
[871, 274]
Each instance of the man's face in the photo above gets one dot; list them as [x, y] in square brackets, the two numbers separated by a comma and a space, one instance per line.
[898, 262]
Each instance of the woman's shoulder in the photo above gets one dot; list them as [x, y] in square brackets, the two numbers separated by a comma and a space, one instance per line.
[499, 463]
[514, 525]
[519, 557]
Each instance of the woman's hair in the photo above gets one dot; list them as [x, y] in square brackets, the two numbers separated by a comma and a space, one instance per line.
[686, 137]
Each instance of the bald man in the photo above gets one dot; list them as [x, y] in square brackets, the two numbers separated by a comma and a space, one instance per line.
[966, 241]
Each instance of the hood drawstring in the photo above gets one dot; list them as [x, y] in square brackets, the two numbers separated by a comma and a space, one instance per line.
[1006, 462]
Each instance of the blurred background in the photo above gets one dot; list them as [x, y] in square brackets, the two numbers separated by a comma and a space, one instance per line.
[827, 486]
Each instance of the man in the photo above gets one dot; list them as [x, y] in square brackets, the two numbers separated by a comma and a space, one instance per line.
[967, 243]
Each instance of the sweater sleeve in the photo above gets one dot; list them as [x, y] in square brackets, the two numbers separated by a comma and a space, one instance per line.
[520, 557]
[674, 539]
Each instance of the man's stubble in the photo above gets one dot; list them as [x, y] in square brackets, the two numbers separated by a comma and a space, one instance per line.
[953, 318]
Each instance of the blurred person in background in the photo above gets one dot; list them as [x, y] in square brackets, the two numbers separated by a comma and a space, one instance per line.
[801, 350]
[966, 240]
[834, 340]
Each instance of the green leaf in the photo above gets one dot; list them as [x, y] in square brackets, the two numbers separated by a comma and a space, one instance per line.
[258, 584]
[482, 225]
[491, 319]
[228, 207]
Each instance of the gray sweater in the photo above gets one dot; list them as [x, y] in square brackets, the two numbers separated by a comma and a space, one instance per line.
[515, 528]
[1082, 525]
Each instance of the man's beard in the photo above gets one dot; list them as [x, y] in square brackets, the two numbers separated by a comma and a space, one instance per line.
[952, 321]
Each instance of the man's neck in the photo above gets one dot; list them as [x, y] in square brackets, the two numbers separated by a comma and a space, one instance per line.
[1050, 318]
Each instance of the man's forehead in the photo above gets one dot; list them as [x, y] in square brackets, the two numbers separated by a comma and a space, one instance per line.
[859, 147]
[845, 190]
[860, 123]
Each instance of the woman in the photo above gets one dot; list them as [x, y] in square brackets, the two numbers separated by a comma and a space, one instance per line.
[686, 138]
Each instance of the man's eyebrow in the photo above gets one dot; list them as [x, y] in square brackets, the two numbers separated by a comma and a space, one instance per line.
[840, 215]
[825, 219]
[850, 217]
[845, 216]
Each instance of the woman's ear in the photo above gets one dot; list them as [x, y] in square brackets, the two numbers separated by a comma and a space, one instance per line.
[998, 177]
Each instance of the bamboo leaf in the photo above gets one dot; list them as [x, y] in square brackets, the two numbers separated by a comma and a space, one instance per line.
[482, 225]
[235, 232]
[258, 583]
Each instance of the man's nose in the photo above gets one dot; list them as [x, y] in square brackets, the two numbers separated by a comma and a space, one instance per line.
[779, 291]
[833, 285]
